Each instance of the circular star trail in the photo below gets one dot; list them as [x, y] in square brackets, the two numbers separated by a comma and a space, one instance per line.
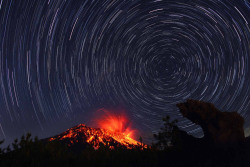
[63, 59]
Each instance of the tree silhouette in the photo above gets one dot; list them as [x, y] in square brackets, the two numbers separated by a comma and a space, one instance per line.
[168, 136]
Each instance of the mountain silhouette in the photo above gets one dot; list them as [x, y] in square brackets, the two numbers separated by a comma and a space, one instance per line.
[82, 136]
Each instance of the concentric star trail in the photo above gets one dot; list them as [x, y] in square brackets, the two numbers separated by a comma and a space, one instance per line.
[62, 59]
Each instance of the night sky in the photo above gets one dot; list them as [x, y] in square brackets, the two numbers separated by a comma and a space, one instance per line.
[62, 60]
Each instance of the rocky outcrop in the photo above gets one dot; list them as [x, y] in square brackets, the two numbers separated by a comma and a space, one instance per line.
[218, 127]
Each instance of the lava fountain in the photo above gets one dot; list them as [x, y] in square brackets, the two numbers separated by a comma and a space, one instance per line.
[112, 130]
[115, 122]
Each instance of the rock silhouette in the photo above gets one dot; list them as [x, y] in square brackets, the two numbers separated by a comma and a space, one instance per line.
[218, 127]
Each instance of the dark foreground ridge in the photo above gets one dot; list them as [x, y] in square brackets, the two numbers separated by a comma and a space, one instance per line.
[223, 144]
[220, 128]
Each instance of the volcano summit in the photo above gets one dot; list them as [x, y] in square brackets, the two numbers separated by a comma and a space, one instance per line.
[82, 136]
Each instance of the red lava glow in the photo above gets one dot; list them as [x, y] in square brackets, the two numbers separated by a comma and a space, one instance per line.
[115, 122]
[113, 130]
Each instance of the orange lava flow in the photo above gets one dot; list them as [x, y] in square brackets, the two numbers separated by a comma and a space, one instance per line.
[114, 131]
[95, 136]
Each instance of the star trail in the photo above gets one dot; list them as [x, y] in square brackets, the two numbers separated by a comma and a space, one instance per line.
[60, 60]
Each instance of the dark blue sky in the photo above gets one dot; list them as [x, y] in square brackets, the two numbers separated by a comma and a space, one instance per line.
[61, 60]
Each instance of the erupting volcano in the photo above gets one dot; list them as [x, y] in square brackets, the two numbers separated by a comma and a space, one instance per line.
[114, 122]
[114, 132]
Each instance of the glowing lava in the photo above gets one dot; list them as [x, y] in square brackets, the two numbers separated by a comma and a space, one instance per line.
[115, 131]
[82, 134]
[115, 122]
